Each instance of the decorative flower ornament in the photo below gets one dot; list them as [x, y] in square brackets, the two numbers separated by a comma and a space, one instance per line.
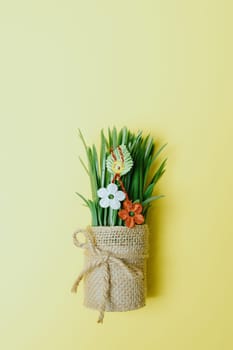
[119, 162]
[110, 196]
[131, 214]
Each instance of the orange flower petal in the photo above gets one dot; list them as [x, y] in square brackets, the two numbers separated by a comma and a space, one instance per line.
[130, 222]
[127, 205]
[139, 219]
[137, 208]
[123, 214]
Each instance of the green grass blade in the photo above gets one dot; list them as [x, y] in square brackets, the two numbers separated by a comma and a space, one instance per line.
[91, 172]
[96, 166]
[145, 211]
[110, 217]
[102, 159]
[124, 136]
[148, 163]
[83, 140]
[148, 191]
[159, 172]
[105, 222]
[158, 152]
[149, 147]
[119, 140]
[151, 199]
[99, 213]
[110, 138]
[84, 165]
[82, 197]
[114, 217]
[93, 213]
[114, 138]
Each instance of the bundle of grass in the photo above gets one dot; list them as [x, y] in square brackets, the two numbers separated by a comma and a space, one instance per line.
[138, 183]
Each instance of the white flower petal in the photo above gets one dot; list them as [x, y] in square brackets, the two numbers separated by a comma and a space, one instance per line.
[114, 204]
[120, 195]
[104, 202]
[102, 192]
[112, 188]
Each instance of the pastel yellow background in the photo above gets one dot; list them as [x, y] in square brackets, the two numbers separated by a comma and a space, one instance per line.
[164, 66]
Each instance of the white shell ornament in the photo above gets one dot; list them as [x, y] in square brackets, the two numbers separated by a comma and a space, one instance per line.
[119, 162]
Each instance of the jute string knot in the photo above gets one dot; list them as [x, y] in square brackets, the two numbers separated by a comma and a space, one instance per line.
[100, 258]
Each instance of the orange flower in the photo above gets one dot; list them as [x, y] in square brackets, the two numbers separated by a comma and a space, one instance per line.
[131, 213]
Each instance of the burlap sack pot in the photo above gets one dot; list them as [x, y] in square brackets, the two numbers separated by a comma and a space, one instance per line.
[114, 268]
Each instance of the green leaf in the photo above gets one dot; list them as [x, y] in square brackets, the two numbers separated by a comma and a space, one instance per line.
[151, 199]
[158, 152]
[114, 217]
[148, 191]
[96, 166]
[148, 163]
[102, 159]
[82, 197]
[110, 217]
[137, 201]
[93, 212]
[99, 213]
[105, 216]
[83, 140]
[84, 166]
[134, 185]
[110, 138]
[149, 147]
[114, 138]
[119, 140]
[159, 172]
[124, 136]
[120, 222]
[145, 211]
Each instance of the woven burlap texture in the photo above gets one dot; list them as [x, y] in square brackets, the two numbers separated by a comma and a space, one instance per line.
[114, 268]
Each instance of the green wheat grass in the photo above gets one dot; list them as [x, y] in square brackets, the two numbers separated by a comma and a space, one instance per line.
[139, 182]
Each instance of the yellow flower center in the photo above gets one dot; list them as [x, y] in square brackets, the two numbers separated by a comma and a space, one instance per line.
[117, 167]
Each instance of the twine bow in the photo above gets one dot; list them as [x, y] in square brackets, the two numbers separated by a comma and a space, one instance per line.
[101, 258]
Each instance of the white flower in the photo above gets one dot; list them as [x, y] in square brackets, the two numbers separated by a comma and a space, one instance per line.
[110, 197]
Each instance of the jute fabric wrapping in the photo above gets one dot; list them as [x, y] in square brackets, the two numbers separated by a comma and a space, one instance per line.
[114, 267]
